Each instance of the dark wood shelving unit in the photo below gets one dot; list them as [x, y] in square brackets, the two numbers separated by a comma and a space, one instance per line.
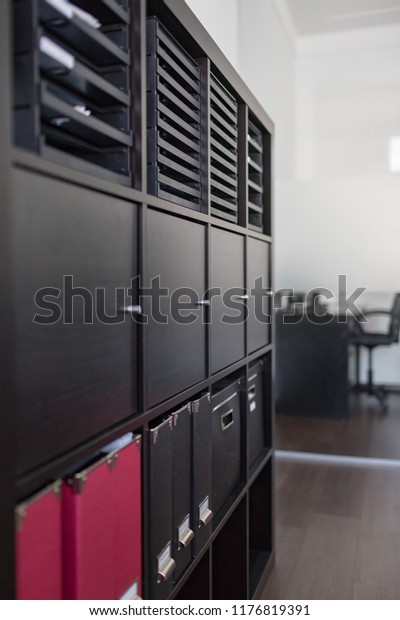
[115, 198]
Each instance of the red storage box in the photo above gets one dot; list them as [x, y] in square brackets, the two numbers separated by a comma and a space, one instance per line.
[102, 528]
[38, 546]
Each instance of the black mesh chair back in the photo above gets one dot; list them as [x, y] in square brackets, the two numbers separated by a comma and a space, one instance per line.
[372, 339]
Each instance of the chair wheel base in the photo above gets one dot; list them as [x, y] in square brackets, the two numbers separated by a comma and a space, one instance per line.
[379, 392]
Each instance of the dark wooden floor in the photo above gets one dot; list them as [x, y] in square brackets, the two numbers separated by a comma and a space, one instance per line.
[366, 432]
[338, 532]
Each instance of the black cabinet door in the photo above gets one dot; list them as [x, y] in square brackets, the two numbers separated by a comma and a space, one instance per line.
[76, 376]
[228, 307]
[175, 346]
[258, 284]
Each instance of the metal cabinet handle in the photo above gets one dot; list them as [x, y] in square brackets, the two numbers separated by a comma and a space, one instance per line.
[227, 420]
[240, 296]
[130, 310]
[166, 570]
[186, 538]
[59, 121]
[206, 516]
[202, 302]
[252, 392]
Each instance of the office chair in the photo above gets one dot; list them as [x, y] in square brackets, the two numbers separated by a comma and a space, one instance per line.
[370, 340]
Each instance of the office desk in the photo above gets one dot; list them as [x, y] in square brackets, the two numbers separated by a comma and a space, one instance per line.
[311, 367]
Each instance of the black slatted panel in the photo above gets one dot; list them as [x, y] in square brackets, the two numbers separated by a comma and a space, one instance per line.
[255, 176]
[72, 93]
[224, 145]
[173, 119]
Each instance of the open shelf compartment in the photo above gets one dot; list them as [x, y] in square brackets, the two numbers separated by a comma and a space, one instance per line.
[173, 119]
[72, 84]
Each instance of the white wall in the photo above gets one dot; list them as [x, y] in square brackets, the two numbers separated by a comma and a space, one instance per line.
[220, 19]
[267, 64]
[341, 214]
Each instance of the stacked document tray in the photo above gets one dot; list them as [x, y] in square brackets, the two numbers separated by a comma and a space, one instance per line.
[224, 152]
[255, 177]
[72, 96]
[173, 119]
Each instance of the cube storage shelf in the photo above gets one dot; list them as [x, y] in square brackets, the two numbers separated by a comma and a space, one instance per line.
[72, 96]
[140, 426]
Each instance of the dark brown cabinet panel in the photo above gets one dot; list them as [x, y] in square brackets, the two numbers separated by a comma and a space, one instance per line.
[227, 306]
[175, 346]
[258, 284]
[198, 586]
[76, 376]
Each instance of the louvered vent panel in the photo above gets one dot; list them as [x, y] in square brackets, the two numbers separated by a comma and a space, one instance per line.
[173, 119]
[224, 145]
[72, 95]
[255, 177]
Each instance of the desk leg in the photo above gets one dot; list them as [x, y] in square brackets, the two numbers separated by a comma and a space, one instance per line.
[357, 365]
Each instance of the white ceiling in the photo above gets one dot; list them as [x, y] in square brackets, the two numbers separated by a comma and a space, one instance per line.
[311, 17]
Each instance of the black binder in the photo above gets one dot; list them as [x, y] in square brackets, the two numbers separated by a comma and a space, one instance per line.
[201, 471]
[256, 421]
[225, 443]
[162, 564]
[181, 490]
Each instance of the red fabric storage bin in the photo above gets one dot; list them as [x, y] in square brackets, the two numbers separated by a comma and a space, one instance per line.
[38, 546]
[102, 528]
